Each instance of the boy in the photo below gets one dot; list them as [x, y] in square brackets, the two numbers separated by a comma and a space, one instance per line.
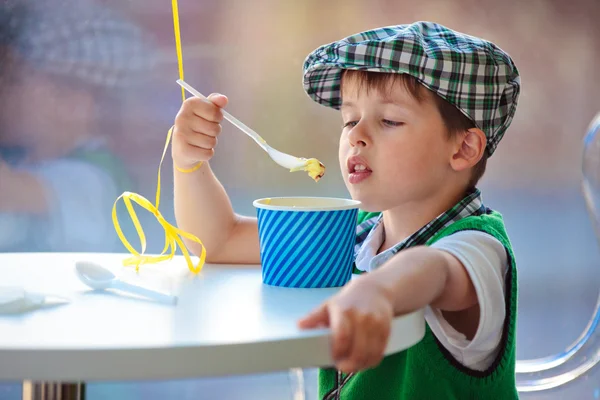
[423, 107]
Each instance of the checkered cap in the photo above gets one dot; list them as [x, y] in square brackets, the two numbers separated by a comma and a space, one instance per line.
[76, 39]
[474, 75]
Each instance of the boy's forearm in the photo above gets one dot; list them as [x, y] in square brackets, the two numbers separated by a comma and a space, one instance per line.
[413, 278]
[203, 208]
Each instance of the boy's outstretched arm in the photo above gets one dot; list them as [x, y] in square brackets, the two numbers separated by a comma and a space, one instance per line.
[360, 315]
[202, 207]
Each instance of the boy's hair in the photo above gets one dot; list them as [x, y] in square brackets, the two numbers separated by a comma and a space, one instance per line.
[454, 120]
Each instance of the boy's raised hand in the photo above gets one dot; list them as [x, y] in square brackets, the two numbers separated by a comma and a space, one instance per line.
[197, 127]
[360, 318]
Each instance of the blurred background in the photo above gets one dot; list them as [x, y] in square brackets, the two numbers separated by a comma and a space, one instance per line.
[87, 94]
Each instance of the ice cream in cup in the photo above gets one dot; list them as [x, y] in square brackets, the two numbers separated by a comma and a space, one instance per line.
[306, 242]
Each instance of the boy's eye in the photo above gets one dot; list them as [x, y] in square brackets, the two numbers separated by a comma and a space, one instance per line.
[392, 123]
[350, 123]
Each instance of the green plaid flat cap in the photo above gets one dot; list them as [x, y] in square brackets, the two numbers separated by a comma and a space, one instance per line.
[474, 75]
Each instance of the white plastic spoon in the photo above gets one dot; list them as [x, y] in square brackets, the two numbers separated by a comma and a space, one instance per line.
[285, 160]
[99, 278]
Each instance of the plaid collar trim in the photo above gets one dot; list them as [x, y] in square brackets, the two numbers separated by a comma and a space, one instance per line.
[470, 205]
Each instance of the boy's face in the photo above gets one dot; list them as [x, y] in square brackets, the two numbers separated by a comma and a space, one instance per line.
[394, 150]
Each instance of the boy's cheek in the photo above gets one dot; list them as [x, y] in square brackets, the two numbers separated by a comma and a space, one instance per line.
[343, 159]
[345, 178]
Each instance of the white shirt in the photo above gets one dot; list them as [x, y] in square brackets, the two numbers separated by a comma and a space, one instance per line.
[486, 262]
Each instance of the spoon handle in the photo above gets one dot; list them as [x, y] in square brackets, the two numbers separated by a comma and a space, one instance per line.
[142, 291]
[239, 124]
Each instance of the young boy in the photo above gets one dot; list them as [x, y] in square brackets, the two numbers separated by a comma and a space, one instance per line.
[423, 107]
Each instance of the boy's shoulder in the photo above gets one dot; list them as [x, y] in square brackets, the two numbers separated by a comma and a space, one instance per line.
[489, 221]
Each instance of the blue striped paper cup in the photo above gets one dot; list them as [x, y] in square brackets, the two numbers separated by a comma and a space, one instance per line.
[306, 242]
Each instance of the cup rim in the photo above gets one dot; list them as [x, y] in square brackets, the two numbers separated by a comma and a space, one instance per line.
[350, 204]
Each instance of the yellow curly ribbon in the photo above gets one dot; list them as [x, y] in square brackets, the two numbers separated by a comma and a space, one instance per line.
[187, 171]
[173, 235]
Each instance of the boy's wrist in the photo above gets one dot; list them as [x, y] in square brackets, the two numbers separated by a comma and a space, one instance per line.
[185, 167]
[371, 282]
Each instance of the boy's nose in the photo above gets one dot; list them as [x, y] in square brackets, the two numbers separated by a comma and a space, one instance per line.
[359, 143]
[358, 136]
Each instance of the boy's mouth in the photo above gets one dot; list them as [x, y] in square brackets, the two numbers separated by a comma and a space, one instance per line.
[358, 169]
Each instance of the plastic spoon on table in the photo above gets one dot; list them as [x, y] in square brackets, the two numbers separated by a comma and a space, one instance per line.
[285, 160]
[99, 278]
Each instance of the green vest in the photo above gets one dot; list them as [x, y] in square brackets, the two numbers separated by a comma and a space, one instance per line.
[427, 371]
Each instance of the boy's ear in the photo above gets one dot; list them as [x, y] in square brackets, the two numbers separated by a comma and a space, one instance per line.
[470, 147]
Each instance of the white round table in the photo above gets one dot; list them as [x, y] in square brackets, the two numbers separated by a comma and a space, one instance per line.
[226, 322]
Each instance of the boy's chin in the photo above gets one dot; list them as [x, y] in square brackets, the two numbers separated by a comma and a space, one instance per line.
[366, 204]
[366, 198]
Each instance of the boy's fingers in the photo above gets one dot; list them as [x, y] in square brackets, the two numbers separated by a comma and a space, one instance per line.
[341, 328]
[317, 318]
[198, 154]
[202, 141]
[200, 125]
[218, 99]
[379, 340]
[378, 345]
[362, 348]
[202, 108]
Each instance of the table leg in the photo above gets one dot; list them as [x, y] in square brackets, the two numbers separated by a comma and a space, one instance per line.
[296, 379]
[53, 391]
